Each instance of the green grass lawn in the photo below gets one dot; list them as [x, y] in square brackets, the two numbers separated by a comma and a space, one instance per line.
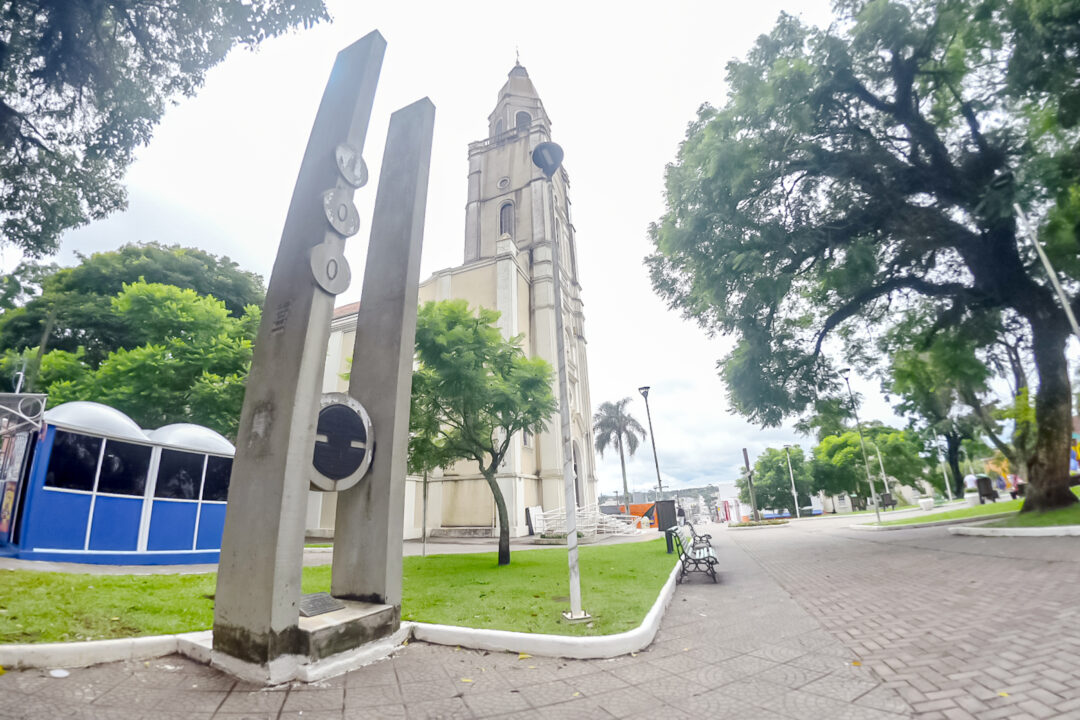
[619, 585]
[1054, 517]
[964, 512]
[1062, 516]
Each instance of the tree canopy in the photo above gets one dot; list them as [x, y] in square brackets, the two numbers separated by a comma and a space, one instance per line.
[473, 391]
[772, 480]
[863, 170]
[83, 83]
[189, 364]
[80, 298]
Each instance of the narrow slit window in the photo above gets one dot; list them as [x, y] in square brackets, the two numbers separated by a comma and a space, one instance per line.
[506, 220]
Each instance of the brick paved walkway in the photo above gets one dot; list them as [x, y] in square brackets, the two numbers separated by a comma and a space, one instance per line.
[960, 627]
[777, 638]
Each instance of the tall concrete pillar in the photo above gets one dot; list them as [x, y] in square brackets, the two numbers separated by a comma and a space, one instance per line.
[258, 589]
[368, 525]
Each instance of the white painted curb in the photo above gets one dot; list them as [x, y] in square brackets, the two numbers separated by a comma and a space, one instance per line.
[939, 523]
[92, 652]
[582, 648]
[196, 645]
[1050, 531]
[761, 527]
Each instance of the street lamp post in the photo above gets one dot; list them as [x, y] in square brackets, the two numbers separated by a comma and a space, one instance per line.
[644, 390]
[791, 473]
[548, 157]
[862, 444]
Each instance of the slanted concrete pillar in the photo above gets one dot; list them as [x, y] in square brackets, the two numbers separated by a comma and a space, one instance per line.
[368, 525]
[258, 589]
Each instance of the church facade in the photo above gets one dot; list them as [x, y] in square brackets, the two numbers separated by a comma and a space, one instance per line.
[512, 217]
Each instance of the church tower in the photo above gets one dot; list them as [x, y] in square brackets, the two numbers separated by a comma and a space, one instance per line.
[512, 216]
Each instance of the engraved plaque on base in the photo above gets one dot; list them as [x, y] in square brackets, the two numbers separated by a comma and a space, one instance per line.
[313, 604]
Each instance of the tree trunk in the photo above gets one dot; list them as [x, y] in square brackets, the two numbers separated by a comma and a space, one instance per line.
[1048, 485]
[952, 453]
[504, 517]
[625, 487]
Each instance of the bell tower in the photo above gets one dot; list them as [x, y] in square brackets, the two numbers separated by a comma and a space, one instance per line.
[512, 215]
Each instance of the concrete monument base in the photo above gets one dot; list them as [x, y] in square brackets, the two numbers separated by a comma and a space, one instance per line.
[326, 645]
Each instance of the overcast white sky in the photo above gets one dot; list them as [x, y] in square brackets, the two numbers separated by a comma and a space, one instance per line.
[620, 86]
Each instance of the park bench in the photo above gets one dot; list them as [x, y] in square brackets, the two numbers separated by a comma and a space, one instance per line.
[887, 500]
[699, 540]
[692, 558]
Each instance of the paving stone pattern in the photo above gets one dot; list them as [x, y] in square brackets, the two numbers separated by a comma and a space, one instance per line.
[959, 627]
[743, 648]
[808, 621]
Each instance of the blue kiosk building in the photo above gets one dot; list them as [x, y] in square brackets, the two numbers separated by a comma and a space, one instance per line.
[96, 488]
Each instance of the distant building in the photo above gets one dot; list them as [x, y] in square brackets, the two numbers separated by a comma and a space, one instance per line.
[511, 215]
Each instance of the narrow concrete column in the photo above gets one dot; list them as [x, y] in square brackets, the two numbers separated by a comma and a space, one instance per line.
[368, 526]
[258, 589]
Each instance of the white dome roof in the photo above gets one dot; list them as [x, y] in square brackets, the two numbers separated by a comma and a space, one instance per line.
[187, 436]
[95, 419]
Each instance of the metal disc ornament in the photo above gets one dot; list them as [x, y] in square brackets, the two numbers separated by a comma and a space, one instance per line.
[351, 166]
[344, 443]
[340, 211]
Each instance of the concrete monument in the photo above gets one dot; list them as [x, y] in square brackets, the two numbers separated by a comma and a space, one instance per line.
[291, 437]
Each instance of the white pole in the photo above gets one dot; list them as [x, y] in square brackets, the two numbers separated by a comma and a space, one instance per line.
[945, 474]
[791, 473]
[1026, 229]
[576, 613]
[884, 480]
[424, 529]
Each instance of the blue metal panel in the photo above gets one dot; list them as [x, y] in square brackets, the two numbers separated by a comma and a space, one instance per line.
[59, 521]
[36, 524]
[116, 523]
[172, 525]
[211, 526]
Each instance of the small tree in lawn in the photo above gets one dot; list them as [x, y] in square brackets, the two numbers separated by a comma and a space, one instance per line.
[612, 424]
[474, 389]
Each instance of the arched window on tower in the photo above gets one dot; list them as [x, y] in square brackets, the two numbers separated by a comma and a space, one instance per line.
[522, 120]
[506, 220]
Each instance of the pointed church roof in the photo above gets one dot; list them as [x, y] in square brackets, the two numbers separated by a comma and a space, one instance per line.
[519, 91]
[518, 83]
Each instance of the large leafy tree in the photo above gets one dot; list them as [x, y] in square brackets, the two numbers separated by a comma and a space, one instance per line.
[612, 425]
[83, 83]
[859, 171]
[901, 457]
[188, 361]
[772, 480]
[75, 303]
[190, 364]
[475, 389]
[838, 466]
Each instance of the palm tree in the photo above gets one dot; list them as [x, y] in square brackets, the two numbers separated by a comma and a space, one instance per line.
[613, 425]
